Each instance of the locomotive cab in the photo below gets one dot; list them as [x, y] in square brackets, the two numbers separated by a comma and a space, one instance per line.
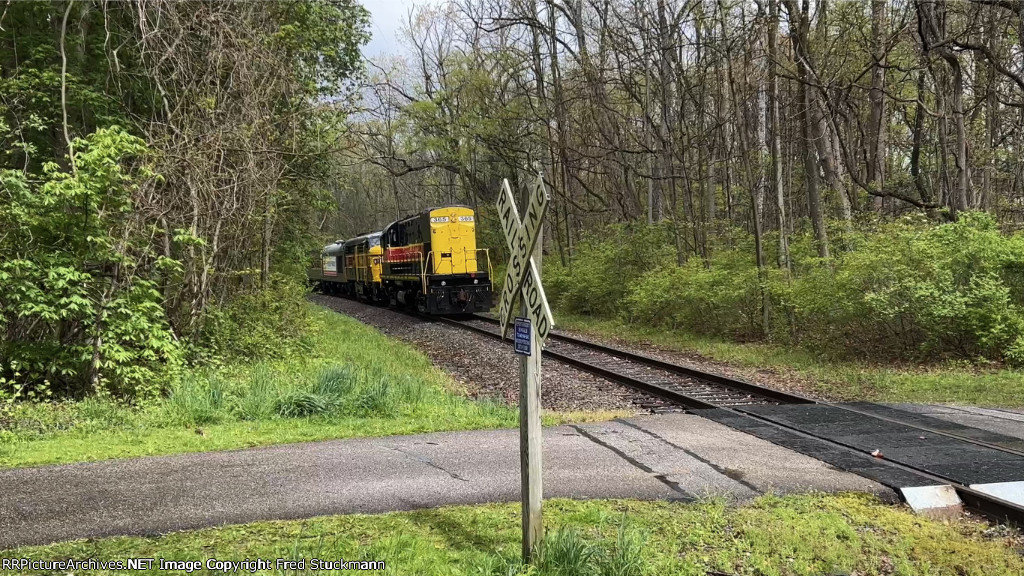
[363, 267]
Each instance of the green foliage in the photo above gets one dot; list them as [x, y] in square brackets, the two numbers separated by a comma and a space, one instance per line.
[30, 85]
[336, 391]
[722, 299]
[565, 552]
[901, 290]
[259, 323]
[913, 290]
[196, 400]
[324, 38]
[257, 399]
[569, 551]
[81, 309]
[606, 266]
[795, 535]
[106, 268]
[378, 397]
[353, 381]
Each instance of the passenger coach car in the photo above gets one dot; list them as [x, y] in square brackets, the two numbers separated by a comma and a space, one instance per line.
[429, 261]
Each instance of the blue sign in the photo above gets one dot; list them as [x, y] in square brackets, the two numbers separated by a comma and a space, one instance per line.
[524, 333]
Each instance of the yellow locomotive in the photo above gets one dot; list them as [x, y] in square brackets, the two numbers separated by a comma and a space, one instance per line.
[351, 268]
[428, 261]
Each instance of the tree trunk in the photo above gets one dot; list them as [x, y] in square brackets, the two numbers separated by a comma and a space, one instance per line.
[776, 131]
[876, 123]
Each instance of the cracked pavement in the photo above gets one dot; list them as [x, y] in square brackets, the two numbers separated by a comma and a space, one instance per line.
[673, 456]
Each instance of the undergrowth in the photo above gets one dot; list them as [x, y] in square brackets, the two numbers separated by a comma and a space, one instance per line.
[352, 381]
[909, 290]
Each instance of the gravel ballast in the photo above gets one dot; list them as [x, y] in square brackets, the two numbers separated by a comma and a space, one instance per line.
[488, 369]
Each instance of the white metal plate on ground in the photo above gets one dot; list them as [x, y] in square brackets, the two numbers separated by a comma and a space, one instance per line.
[1009, 491]
[935, 501]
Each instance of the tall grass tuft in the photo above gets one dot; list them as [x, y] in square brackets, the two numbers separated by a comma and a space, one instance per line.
[626, 558]
[378, 398]
[412, 391]
[565, 552]
[197, 399]
[104, 411]
[300, 403]
[258, 400]
[501, 565]
[337, 381]
[568, 552]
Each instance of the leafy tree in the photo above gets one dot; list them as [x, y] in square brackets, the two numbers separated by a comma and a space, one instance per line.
[160, 159]
[80, 309]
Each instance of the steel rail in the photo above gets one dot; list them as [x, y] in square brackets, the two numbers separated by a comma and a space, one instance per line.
[782, 397]
[991, 506]
[673, 395]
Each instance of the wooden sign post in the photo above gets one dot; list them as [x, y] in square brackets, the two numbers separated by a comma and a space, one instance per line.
[522, 280]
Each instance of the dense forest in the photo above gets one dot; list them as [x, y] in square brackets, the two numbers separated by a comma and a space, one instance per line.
[163, 170]
[842, 176]
[845, 175]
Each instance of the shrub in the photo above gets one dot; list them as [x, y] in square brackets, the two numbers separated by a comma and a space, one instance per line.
[258, 324]
[908, 289]
[606, 265]
[913, 290]
[81, 312]
[721, 300]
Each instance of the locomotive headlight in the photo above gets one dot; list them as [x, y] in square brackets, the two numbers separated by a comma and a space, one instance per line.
[476, 281]
[443, 282]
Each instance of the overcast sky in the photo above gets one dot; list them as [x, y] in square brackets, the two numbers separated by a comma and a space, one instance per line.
[387, 16]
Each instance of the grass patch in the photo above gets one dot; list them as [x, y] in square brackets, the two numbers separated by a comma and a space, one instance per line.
[835, 380]
[350, 381]
[811, 534]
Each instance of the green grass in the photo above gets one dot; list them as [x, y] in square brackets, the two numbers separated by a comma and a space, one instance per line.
[833, 380]
[350, 381]
[812, 534]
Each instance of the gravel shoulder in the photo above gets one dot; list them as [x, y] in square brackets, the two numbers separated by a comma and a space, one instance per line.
[487, 369]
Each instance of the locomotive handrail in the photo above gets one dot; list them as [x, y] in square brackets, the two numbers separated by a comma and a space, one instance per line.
[423, 268]
[487, 254]
[476, 260]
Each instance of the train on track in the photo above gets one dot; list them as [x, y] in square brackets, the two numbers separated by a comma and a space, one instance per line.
[428, 261]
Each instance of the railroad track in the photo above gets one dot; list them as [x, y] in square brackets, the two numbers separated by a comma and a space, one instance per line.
[685, 386]
[735, 403]
[714, 393]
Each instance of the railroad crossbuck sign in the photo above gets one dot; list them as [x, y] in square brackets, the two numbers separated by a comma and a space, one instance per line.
[521, 277]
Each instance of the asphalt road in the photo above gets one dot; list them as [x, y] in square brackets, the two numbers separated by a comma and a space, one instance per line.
[653, 457]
